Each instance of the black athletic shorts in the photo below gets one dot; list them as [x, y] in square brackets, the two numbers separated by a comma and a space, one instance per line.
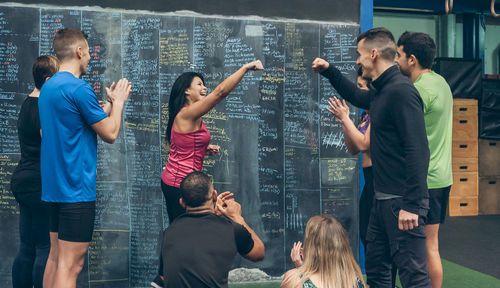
[73, 222]
[438, 201]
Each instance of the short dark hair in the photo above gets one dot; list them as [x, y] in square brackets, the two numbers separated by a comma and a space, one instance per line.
[420, 45]
[44, 66]
[64, 40]
[195, 189]
[382, 39]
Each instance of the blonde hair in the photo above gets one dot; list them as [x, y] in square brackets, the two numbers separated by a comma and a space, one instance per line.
[327, 253]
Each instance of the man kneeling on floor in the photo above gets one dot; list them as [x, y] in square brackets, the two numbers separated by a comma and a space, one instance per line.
[200, 245]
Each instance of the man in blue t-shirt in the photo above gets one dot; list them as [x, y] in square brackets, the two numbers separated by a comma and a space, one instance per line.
[70, 117]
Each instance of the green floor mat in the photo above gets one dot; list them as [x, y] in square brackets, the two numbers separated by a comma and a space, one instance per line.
[455, 276]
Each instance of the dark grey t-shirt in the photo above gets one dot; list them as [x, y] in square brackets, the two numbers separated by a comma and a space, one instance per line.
[198, 250]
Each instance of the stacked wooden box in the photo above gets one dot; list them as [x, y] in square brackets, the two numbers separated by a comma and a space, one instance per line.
[464, 191]
[489, 147]
[489, 177]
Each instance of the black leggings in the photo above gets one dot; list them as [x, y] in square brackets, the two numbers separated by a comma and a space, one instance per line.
[172, 195]
[174, 209]
[29, 265]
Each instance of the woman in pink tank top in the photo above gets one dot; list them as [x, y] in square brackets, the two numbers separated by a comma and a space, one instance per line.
[187, 137]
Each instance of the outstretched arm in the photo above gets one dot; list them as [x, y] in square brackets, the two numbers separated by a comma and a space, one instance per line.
[347, 89]
[200, 108]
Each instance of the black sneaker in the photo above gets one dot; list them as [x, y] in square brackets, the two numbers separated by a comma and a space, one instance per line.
[158, 282]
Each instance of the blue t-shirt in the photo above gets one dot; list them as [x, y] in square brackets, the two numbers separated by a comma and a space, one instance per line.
[67, 107]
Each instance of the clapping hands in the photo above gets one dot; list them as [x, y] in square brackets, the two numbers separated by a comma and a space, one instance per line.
[119, 92]
[228, 207]
[221, 201]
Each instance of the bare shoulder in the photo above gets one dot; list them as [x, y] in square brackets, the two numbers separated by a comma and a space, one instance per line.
[291, 279]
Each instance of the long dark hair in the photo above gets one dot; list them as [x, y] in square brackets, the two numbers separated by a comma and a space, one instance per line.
[178, 97]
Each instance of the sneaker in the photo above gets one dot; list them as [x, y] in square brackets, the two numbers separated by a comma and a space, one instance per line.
[158, 282]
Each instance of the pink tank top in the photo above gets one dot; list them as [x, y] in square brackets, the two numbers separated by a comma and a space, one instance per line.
[187, 151]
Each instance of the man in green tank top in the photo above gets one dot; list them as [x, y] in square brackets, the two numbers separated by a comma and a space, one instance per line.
[416, 52]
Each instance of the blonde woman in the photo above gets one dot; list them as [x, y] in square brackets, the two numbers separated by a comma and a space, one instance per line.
[326, 261]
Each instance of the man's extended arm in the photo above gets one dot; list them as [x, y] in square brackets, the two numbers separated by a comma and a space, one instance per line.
[347, 89]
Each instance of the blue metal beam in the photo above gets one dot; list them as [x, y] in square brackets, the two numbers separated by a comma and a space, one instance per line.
[366, 23]
[366, 15]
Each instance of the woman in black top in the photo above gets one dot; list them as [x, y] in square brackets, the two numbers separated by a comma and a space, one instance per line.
[29, 265]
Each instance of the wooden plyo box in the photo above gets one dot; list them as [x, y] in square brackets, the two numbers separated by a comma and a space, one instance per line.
[464, 165]
[464, 108]
[464, 184]
[464, 149]
[464, 191]
[465, 121]
[463, 206]
[489, 195]
[489, 157]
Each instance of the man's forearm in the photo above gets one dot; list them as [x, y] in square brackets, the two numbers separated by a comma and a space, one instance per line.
[116, 116]
[347, 89]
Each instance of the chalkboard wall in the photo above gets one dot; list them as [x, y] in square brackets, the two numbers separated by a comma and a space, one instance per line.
[336, 10]
[282, 153]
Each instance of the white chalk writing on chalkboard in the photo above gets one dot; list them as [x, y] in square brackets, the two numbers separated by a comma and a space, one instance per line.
[273, 132]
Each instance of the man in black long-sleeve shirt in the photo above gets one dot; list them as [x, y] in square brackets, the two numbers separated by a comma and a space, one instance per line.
[400, 156]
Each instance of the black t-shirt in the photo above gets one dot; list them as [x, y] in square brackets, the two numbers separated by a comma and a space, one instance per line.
[198, 250]
[26, 177]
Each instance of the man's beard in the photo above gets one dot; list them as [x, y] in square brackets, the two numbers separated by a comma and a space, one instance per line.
[404, 72]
